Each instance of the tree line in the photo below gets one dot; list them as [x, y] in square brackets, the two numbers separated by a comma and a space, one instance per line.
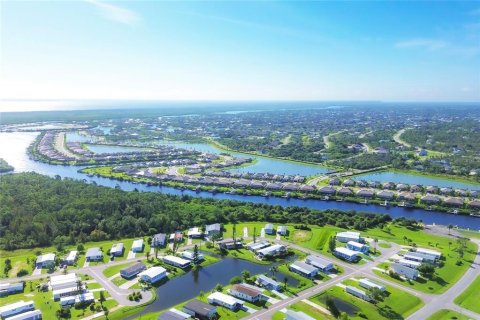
[37, 210]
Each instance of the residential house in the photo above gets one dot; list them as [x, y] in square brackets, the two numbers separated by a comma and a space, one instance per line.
[385, 195]
[16, 308]
[244, 292]
[195, 233]
[177, 236]
[224, 300]
[200, 310]
[282, 230]
[346, 254]
[369, 284]
[10, 288]
[268, 283]
[94, 254]
[303, 269]
[358, 293]
[71, 258]
[430, 199]
[348, 236]
[212, 229]
[453, 202]
[405, 271]
[159, 240]
[269, 229]
[174, 314]
[409, 263]
[153, 274]
[189, 255]
[365, 193]
[133, 270]
[334, 181]
[117, 250]
[177, 262]
[345, 192]
[255, 246]
[322, 264]
[271, 251]
[45, 260]
[229, 244]
[29, 315]
[327, 190]
[137, 245]
[433, 253]
[356, 246]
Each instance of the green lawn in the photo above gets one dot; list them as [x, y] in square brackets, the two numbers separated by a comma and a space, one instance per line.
[110, 271]
[309, 310]
[470, 298]
[445, 314]
[396, 305]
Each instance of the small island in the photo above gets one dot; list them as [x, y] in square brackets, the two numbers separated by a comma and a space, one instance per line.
[5, 167]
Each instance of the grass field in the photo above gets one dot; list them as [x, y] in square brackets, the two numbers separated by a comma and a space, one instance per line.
[110, 271]
[307, 309]
[397, 305]
[445, 314]
[470, 298]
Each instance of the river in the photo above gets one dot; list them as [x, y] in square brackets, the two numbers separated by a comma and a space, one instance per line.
[13, 150]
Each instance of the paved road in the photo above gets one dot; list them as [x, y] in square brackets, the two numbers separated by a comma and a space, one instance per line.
[445, 301]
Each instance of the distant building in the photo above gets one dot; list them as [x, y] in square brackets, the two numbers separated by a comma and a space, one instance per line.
[303, 269]
[200, 310]
[153, 274]
[189, 255]
[348, 236]
[432, 253]
[29, 315]
[94, 254]
[45, 260]
[195, 233]
[269, 228]
[229, 244]
[356, 246]
[322, 264]
[132, 270]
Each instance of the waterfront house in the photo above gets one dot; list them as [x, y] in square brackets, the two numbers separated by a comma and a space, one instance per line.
[271, 251]
[446, 191]
[255, 246]
[303, 269]
[224, 300]
[176, 262]
[200, 310]
[431, 189]
[327, 190]
[322, 264]
[9, 288]
[268, 283]
[29, 315]
[385, 195]
[137, 245]
[405, 271]
[453, 202]
[153, 274]
[430, 199]
[12, 309]
[212, 229]
[407, 196]
[362, 183]
[71, 258]
[189, 255]
[346, 254]
[117, 250]
[83, 297]
[244, 292]
[133, 270]
[297, 315]
[348, 236]
[357, 293]
[409, 263]
[94, 254]
[269, 229]
[174, 314]
[365, 193]
[195, 233]
[388, 185]
[419, 257]
[415, 188]
[159, 240]
[282, 230]
[345, 192]
[45, 260]
[475, 204]
[348, 183]
[374, 184]
[229, 244]
[356, 246]
[369, 284]
[402, 187]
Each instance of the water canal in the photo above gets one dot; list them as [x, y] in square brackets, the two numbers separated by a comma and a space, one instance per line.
[14, 147]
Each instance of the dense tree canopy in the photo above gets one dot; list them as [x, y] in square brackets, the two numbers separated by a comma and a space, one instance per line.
[36, 210]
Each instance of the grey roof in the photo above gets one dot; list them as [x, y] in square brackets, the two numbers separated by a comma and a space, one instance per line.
[93, 252]
[170, 315]
[213, 227]
[135, 268]
[199, 307]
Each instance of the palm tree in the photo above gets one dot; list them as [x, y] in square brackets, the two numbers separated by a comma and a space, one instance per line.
[375, 241]
[273, 270]
[285, 281]
[449, 228]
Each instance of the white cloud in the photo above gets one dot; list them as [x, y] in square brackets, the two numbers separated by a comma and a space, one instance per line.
[429, 44]
[116, 13]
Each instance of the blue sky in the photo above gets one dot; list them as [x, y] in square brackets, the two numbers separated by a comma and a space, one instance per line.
[225, 50]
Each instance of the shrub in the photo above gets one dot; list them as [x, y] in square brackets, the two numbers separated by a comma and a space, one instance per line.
[22, 273]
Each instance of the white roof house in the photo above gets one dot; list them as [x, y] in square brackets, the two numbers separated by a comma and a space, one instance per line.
[153, 274]
[321, 263]
[29, 315]
[254, 246]
[194, 232]
[63, 281]
[429, 252]
[176, 261]
[225, 300]
[409, 263]
[16, 308]
[346, 253]
[137, 245]
[45, 259]
[357, 293]
[303, 268]
[268, 283]
[271, 250]
[282, 230]
[368, 284]
[82, 297]
[71, 257]
[189, 255]
[348, 236]
[94, 254]
[117, 249]
[405, 271]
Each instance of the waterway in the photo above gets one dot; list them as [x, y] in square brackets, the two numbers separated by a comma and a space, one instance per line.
[205, 279]
[13, 150]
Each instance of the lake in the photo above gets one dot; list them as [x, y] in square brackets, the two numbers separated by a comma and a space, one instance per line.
[15, 144]
[205, 279]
